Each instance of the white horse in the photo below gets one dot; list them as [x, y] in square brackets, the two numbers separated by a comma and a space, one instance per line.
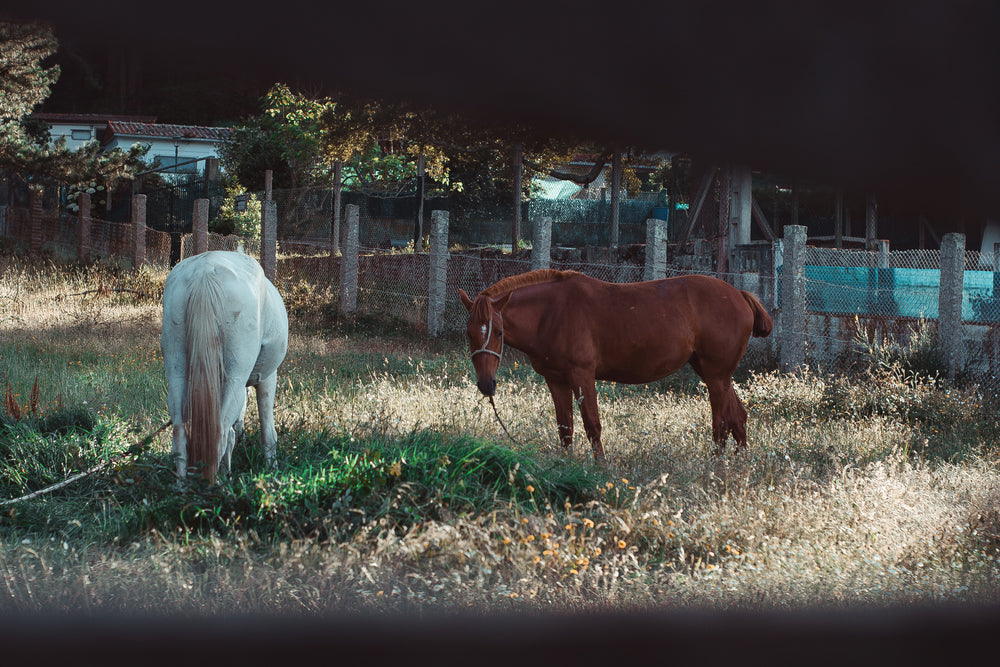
[225, 328]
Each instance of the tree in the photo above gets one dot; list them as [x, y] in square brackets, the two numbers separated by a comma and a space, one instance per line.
[461, 155]
[24, 146]
[295, 124]
[252, 149]
[380, 144]
[300, 139]
[285, 139]
[24, 82]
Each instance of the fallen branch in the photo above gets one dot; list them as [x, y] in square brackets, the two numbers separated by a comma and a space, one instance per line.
[134, 449]
[108, 290]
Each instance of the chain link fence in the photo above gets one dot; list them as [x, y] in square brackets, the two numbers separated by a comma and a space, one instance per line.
[849, 294]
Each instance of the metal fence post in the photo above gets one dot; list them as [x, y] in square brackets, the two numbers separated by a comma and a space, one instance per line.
[793, 298]
[950, 302]
[541, 243]
[655, 266]
[437, 272]
[269, 238]
[349, 261]
[83, 228]
[138, 230]
[200, 226]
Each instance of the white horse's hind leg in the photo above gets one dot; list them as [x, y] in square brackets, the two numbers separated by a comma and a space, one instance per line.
[175, 398]
[226, 456]
[180, 451]
[234, 406]
[265, 408]
[235, 433]
[239, 426]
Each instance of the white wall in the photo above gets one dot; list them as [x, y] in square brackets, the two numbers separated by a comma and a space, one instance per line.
[187, 149]
[66, 130]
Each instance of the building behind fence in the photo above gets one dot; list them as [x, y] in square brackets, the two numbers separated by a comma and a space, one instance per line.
[823, 300]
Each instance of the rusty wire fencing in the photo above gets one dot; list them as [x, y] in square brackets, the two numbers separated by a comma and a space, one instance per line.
[852, 297]
[861, 301]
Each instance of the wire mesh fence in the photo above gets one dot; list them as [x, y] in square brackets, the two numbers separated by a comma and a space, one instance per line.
[896, 284]
[848, 293]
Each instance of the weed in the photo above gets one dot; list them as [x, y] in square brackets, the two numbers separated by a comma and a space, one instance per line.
[396, 490]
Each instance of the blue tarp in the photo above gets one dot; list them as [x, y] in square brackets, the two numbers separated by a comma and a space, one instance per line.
[896, 292]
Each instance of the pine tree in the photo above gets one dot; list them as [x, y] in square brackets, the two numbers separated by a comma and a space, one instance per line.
[24, 148]
[24, 82]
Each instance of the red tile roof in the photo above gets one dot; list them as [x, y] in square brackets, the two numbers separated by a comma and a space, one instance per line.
[164, 131]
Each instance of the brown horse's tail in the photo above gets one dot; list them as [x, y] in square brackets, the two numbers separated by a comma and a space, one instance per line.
[762, 322]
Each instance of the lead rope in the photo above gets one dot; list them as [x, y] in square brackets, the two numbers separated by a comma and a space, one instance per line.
[500, 421]
[134, 449]
[499, 356]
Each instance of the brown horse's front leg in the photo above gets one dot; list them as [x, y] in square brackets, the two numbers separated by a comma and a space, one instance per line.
[562, 397]
[591, 417]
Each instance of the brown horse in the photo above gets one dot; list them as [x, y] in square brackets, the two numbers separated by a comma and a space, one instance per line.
[576, 329]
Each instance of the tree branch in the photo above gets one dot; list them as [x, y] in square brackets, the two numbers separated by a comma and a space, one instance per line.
[584, 180]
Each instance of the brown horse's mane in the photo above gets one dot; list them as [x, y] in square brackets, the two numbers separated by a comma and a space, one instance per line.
[524, 279]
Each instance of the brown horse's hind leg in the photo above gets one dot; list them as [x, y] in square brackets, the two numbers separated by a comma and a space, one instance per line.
[562, 397]
[728, 415]
[736, 419]
[591, 417]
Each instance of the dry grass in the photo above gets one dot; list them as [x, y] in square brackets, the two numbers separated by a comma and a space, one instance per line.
[871, 493]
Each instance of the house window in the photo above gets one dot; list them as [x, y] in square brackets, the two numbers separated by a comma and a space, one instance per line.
[80, 135]
[167, 163]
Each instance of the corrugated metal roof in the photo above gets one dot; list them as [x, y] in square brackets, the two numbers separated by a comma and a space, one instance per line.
[554, 188]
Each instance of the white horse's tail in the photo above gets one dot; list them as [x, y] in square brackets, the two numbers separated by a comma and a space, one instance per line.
[205, 374]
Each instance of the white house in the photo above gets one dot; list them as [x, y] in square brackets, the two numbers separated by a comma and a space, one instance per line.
[79, 128]
[182, 149]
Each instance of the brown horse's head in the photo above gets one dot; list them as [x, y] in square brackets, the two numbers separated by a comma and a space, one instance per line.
[485, 332]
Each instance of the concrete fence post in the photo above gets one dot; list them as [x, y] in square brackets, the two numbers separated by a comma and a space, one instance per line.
[437, 272]
[950, 302]
[349, 260]
[793, 298]
[83, 228]
[996, 273]
[655, 266]
[138, 230]
[200, 226]
[338, 188]
[994, 356]
[883, 253]
[541, 243]
[701, 260]
[269, 238]
[35, 216]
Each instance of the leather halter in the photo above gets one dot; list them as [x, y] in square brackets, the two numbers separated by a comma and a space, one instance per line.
[489, 334]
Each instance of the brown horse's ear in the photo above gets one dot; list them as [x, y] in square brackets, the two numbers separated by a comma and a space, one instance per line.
[498, 304]
[466, 301]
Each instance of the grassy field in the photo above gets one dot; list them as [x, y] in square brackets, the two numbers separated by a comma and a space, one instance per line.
[396, 490]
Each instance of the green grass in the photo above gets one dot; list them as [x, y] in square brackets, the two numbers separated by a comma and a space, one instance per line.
[395, 488]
